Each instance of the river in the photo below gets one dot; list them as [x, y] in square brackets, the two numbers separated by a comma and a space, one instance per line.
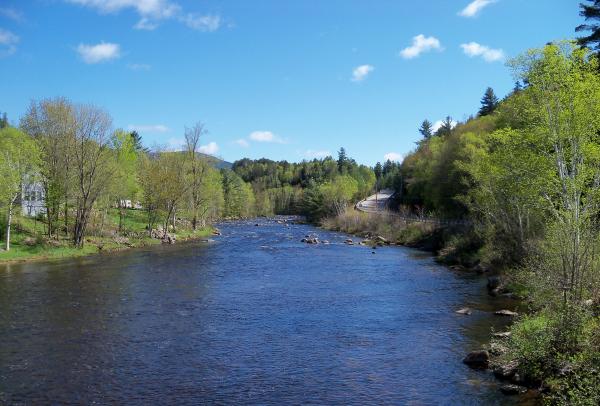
[255, 317]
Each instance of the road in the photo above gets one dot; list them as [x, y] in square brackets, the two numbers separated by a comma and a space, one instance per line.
[375, 203]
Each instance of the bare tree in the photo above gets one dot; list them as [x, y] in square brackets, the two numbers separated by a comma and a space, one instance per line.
[192, 141]
[92, 162]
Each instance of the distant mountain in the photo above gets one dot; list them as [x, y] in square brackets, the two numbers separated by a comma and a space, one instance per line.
[216, 162]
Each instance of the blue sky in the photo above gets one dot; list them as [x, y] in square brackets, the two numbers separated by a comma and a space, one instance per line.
[280, 79]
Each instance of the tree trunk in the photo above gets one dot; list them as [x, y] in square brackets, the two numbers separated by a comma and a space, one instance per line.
[8, 223]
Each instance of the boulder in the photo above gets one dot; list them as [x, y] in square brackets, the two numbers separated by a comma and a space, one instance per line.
[506, 313]
[494, 282]
[504, 334]
[478, 359]
[381, 240]
[349, 241]
[465, 310]
[511, 389]
[506, 371]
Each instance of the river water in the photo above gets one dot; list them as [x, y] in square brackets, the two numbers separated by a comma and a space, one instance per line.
[255, 317]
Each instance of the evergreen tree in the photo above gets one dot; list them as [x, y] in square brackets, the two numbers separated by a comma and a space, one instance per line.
[426, 129]
[489, 102]
[378, 171]
[446, 128]
[3, 121]
[137, 142]
[590, 12]
[518, 87]
[342, 160]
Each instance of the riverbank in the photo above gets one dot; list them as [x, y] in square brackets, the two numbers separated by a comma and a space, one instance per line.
[28, 242]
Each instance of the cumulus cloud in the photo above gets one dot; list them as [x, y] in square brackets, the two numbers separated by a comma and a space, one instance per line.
[473, 49]
[102, 52]
[318, 154]
[393, 156]
[264, 136]
[205, 23]
[154, 128]
[8, 42]
[361, 72]
[475, 7]
[421, 44]
[151, 12]
[211, 148]
[242, 143]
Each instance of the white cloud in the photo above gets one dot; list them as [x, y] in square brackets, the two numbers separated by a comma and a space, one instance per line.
[11, 13]
[156, 128]
[265, 136]
[319, 154]
[473, 49]
[475, 7]
[211, 148]
[139, 66]
[8, 42]
[151, 12]
[421, 44]
[393, 156]
[104, 51]
[361, 72]
[242, 143]
[438, 124]
[205, 23]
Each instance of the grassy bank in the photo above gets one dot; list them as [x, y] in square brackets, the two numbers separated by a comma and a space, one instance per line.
[452, 245]
[28, 241]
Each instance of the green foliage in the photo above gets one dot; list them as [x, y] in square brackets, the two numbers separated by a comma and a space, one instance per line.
[489, 102]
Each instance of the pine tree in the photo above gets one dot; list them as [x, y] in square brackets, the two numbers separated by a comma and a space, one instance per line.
[378, 171]
[590, 12]
[446, 127]
[489, 102]
[3, 121]
[342, 160]
[518, 87]
[426, 129]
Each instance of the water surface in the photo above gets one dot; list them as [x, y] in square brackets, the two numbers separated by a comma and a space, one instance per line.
[255, 317]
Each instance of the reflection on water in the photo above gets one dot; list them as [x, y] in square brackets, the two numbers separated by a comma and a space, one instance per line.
[255, 317]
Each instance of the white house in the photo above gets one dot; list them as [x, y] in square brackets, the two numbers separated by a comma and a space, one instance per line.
[33, 199]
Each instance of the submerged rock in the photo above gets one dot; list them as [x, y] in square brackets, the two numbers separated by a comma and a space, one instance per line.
[465, 310]
[506, 313]
[349, 241]
[511, 389]
[478, 359]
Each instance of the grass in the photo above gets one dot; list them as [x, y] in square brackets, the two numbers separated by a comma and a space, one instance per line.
[29, 243]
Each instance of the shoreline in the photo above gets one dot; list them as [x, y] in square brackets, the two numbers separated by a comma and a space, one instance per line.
[100, 247]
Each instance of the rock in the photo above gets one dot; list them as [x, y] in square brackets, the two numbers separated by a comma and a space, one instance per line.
[478, 359]
[506, 371]
[506, 313]
[216, 231]
[588, 302]
[511, 389]
[494, 282]
[497, 348]
[29, 241]
[121, 240]
[465, 310]
[349, 241]
[168, 239]
[325, 242]
[256, 225]
[382, 240]
[504, 334]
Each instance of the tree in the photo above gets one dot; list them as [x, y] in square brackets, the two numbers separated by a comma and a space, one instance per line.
[92, 163]
[137, 142]
[3, 121]
[378, 171]
[342, 161]
[19, 160]
[196, 169]
[124, 185]
[590, 12]
[52, 123]
[489, 102]
[446, 127]
[426, 129]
